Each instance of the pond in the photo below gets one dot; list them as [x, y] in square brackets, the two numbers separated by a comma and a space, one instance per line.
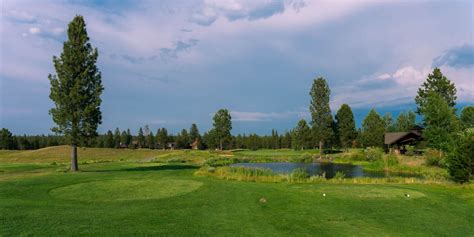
[318, 168]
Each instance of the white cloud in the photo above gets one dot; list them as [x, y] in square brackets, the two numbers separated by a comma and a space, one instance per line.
[384, 76]
[242, 116]
[34, 30]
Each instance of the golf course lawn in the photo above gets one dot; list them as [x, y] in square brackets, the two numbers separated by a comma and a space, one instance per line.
[146, 198]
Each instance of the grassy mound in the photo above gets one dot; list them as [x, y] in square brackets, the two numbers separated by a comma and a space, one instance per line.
[120, 190]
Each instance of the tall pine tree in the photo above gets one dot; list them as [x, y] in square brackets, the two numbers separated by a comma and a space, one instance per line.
[439, 84]
[222, 127]
[346, 126]
[320, 112]
[373, 130]
[76, 89]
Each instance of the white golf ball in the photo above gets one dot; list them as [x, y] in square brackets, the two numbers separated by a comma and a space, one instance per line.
[324, 195]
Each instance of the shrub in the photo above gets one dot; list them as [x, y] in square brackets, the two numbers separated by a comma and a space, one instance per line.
[299, 174]
[461, 160]
[410, 151]
[434, 158]
[306, 158]
[391, 160]
[374, 154]
[358, 155]
[339, 175]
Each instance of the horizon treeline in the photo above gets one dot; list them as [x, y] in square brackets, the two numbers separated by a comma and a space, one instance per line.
[296, 138]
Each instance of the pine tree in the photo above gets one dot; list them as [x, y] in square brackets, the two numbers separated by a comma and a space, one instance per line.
[321, 112]
[162, 138]
[346, 126]
[141, 138]
[109, 141]
[194, 135]
[439, 84]
[467, 117]
[222, 127]
[117, 138]
[301, 135]
[7, 141]
[373, 130]
[124, 139]
[150, 140]
[441, 123]
[405, 121]
[76, 88]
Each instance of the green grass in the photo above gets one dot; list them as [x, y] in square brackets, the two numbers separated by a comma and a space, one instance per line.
[138, 196]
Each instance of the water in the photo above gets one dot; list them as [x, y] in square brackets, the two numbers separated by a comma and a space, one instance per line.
[330, 169]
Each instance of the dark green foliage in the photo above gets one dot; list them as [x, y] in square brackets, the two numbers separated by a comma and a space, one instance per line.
[301, 136]
[461, 159]
[373, 130]
[182, 139]
[467, 117]
[405, 121]
[390, 126]
[441, 123]
[117, 138]
[222, 127]
[320, 112]
[7, 141]
[346, 126]
[194, 135]
[76, 87]
[109, 141]
[162, 138]
[436, 83]
[124, 139]
[141, 138]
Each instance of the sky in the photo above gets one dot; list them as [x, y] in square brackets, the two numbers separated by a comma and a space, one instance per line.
[174, 63]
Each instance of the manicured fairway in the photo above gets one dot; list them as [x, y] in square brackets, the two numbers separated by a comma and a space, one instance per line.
[143, 198]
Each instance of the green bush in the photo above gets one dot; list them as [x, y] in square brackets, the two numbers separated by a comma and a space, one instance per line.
[339, 175]
[299, 174]
[433, 158]
[410, 151]
[306, 158]
[358, 155]
[374, 154]
[461, 160]
[391, 160]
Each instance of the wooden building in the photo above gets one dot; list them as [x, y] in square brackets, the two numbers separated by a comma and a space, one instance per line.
[397, 141]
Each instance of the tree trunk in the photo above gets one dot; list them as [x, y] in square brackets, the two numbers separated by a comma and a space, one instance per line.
[220, 144]
[74, 157]
[320, 149]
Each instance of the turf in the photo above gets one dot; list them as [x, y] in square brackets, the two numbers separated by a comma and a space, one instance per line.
[146, 198]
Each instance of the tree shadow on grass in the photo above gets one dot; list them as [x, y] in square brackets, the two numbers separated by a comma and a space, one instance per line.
[149, 168]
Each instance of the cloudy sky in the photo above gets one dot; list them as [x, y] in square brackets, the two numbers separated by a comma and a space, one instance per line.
[173, 63]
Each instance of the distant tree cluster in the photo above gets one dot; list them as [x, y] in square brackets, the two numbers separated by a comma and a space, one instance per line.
[8, 141]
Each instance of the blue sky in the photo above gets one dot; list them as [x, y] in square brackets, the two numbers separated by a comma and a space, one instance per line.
[173, 63]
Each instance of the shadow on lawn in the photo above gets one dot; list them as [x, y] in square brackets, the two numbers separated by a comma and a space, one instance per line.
[149, 168]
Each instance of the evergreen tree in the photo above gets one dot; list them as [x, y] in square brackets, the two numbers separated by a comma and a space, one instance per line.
[439, 84]
[150, 141]
[441, 123]
[301, 135]
[322, 122]
[460, 161]
[124, 139]
[373, 130]
[109, 141]
[467, 117]
[162, 138]
[346, 126]
[129, 141]
[222, 127]
[141, 138]
[76, 88]
[183, 139]
[117, 138]
[405, 121]
[389, 124]
[7, 141]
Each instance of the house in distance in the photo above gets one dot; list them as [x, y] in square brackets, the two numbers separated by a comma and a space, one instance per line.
[397, 141]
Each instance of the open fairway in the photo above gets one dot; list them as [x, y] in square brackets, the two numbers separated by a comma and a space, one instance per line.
[134, 195]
